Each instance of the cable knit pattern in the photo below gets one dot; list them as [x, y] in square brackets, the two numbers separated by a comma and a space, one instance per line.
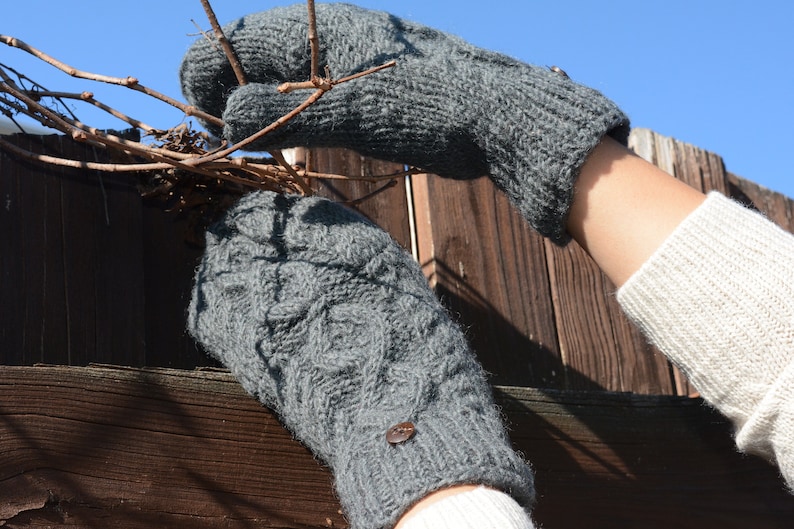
[326, 320]
[718, 299]
[448, 107]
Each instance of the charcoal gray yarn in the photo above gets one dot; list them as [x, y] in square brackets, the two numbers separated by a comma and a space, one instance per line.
[322, 317]
[447, 107]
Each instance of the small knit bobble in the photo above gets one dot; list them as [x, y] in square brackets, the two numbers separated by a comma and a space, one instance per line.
[718, 300]
[324, 318]
[480, 508]
[447, 107]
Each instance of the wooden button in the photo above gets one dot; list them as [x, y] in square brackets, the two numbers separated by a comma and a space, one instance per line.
[399, 433]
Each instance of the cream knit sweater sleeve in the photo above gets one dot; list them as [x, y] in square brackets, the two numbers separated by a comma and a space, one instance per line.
[718, 299]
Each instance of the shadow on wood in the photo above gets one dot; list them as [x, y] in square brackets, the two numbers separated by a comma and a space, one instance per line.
[90, 274]
[128, 448]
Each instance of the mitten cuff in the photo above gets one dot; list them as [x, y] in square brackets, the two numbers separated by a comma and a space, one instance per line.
[377, 481]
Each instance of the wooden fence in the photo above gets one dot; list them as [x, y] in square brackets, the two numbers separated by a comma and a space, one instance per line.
[92, 275]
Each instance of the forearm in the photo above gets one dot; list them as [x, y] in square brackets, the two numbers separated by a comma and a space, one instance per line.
[624, 208]
[709, 282]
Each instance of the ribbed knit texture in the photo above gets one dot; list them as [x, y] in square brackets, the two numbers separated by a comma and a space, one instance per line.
[325, 319]
[480, 508]
[448, 107]
[718, 299]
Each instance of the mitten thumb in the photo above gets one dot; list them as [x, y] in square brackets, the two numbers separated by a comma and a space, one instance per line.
[253, 106]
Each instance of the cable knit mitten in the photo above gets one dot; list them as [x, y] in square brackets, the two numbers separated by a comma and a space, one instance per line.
[326, 320]
[447, 107]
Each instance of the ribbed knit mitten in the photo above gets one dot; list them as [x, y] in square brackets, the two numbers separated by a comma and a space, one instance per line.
[326, 320]
[447, 107]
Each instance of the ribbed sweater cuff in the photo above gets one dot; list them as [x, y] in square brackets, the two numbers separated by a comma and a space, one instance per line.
[718, 299]
[475, 509]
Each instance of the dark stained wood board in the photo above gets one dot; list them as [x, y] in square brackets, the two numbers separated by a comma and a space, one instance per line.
[778, 208]
[597, 342]
[92, 274]
[70, 254]
[127, 448]
[700, 169]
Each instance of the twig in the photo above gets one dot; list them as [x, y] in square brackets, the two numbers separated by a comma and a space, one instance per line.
[129, 82]
[180, 168]
[381, 189]
[307, 191]
[83, 133]
[267, 130]
[372, 70]
[206, 36]
[22, 79]
[94, 166]
[231, 55]
[314, 44]
[286, 88]
[88, 97]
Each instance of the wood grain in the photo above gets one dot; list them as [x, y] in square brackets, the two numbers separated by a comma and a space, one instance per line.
[488, 268]
[136, 447]
[778, 208]
[70, 250]
[700, 169]
[92, 274]
[129, 448]
[600, 348]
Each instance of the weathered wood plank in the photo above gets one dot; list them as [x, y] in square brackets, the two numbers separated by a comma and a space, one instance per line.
[170, 257]
[32, 314]
[700, 169]
[129, 448]
[488, 268]
[71, 251]
[388, 209]
[778, 208]
[600, 348]
[20, 325]
[132, 447]
[621, 460]
[89, 274]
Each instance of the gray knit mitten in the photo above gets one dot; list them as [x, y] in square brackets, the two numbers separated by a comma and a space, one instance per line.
[326, 320]
[447, 107]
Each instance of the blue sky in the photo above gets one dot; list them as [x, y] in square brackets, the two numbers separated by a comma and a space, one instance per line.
[717, 74]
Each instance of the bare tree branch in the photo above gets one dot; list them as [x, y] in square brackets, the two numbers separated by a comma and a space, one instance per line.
[267, 130]
[128, 82]
[384, 187]
[291, 170]
[286, 88]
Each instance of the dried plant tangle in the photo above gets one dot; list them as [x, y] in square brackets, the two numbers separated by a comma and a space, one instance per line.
[177, 165]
